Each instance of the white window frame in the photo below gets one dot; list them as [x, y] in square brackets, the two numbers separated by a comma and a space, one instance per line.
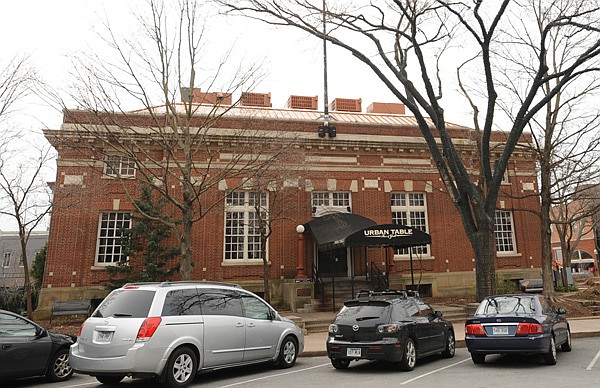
[108, 246]
[6, 259]
[411, 203]
[504, 233]
[331, 200]
[241, 239]
[119, 166]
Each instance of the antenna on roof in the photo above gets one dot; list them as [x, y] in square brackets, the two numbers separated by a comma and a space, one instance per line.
[325, 128]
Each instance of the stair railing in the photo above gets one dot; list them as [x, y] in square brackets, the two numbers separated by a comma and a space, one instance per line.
[378, 279]
[319, 283]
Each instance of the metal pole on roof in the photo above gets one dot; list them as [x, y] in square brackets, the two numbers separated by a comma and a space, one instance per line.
[325, 96]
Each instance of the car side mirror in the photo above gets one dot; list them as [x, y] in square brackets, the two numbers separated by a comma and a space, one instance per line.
[41, 332]
[561, 310]
[438, 314]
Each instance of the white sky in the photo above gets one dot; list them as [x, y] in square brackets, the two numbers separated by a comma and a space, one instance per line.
[50, 31]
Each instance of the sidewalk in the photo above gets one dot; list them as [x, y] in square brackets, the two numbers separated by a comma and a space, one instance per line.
[314, 343]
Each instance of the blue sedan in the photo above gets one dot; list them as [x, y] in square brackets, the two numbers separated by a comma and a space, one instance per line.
[523, 324]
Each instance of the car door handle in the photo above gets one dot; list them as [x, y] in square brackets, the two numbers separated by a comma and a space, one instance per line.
[6, 346]
[239, 324]
[251, 325]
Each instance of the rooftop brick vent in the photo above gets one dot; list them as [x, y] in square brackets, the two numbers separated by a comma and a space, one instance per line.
[346, 105]
[303, 102]
[256, 99]
[386, 107]
[212, 98]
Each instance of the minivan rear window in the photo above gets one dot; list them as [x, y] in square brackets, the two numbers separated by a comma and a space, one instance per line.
[126, 304]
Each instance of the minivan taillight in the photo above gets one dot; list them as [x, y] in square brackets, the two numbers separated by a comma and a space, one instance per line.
[147, 329]
[81, 328]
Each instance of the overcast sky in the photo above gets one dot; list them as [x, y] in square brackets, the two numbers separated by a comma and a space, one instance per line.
[52, 31]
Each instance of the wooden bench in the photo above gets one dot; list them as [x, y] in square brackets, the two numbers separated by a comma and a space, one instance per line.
[71, 307]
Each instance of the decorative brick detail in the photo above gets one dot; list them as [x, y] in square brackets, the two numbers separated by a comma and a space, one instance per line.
[346, 105]
[256, 99]
[386, 107]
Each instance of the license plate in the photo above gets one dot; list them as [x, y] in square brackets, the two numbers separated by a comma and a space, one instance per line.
[353, 352]
[103, 336]
[500, 330]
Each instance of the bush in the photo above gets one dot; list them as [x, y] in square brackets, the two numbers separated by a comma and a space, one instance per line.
[13, 300]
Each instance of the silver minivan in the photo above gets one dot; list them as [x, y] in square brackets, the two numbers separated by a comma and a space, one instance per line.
[172, 330]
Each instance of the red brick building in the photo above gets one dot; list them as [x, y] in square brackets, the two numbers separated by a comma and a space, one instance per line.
[376, 165]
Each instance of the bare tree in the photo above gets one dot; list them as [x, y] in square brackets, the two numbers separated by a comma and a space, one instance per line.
[26, 197]
[564, 133]
[170, 143]
[410, 45]
[274, 190]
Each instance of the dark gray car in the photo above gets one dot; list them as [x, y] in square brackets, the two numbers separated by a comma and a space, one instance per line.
[170, 331]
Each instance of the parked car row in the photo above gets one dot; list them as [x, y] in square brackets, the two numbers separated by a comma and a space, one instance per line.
[401, 328]
[166, 331]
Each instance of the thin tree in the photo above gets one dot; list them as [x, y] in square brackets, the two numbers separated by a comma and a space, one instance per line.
[170, 140]
[411, 46]
[564, 134]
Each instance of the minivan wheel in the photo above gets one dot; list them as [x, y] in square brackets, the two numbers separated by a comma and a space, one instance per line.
[566, 346]
[287, 353]
[109, 379]
[59, 368]
[181, 368]
[409, 358]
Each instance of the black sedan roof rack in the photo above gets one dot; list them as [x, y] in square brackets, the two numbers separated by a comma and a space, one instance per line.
[370, 293]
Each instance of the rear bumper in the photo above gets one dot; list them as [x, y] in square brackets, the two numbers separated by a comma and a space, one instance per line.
[378, 350]
[137, 361]
[494, 345]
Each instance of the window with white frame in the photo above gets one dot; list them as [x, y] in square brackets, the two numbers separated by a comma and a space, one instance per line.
[410, 209]
[119, 166]
[111, 228]
[242, 224]
[504, 232]
[6, 259]
[339, 199]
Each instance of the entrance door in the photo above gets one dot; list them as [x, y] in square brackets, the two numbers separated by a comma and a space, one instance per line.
[333, 263]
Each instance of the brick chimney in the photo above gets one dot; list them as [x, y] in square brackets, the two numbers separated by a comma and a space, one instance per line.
[303, 102]
[256, 99]
[213, 98]
[346, 105]
[386, 107]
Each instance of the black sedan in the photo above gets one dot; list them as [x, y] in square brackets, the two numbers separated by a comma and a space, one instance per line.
[526, 323]
[27, 349]
[391, 326]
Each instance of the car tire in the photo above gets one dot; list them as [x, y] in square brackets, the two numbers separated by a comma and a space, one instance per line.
[288, 352]
[181, 368]
[567, 346]
[104, 379]
[409, 355]
[450, 345]
[478, 358]
[550, 357]
[340, 363]
[59, 368]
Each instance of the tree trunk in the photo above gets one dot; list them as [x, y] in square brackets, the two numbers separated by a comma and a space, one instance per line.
[266, 269]
[27, 280]
[545, 228]
[484, 248]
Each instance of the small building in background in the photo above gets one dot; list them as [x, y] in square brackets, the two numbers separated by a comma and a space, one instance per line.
[11, 272]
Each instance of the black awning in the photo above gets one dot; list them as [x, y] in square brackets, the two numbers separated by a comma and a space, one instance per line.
[390, 235]
[331, 230]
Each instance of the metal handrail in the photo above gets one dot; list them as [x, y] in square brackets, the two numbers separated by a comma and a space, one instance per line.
[379, 280]
[319, 283]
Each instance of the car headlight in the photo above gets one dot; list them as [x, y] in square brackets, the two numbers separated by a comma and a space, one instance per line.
[333, 328]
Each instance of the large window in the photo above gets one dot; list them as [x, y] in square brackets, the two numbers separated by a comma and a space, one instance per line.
[110, 231]
[504, 231]
[242, 232]
[335, 199]
[410, 209]
[119, 166]
[6, 259]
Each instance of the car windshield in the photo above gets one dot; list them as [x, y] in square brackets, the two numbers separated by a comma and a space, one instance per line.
[126, 304]
[364, 311]
[505, 305]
